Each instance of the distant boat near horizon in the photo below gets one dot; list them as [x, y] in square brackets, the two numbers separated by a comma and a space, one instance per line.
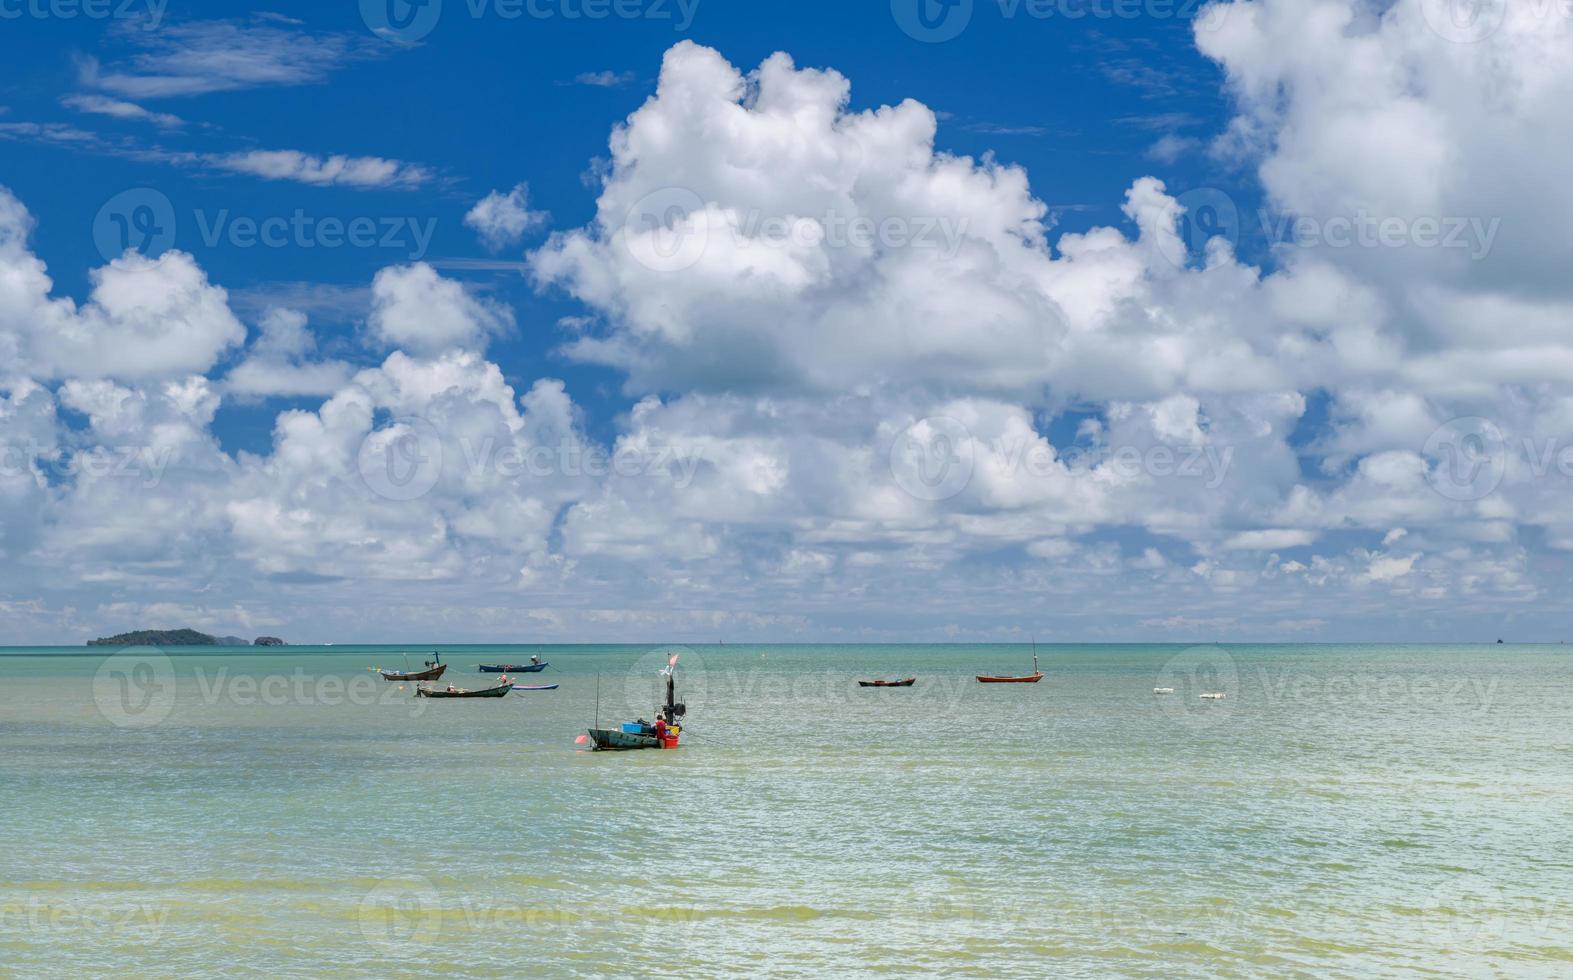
[908, 682]
[535, 665]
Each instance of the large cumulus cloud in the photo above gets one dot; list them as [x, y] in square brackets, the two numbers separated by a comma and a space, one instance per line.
[869, 382]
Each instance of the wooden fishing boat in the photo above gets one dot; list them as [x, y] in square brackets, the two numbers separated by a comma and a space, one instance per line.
[501, 690]
[615, 739]
[903, 683]
[535, 687]
[434, 669]
[640, 734]
[529, 668]
[1032, 678]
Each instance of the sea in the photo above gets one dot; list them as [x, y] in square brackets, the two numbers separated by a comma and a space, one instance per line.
[1342, 811]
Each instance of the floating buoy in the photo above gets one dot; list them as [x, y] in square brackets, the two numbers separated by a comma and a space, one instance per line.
[1163, 690]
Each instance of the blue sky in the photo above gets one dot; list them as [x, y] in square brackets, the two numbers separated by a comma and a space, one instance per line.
[488, 101]
[1169, 242]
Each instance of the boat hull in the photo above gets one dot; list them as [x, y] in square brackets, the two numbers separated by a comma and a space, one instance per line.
[1029, 679]
[903, 683]
[616, 740]
[414, 675]
[535, 687]
[513, 668]
[500, 690]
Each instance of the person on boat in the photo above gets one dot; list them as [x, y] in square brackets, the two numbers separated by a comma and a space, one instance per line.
[660, 727]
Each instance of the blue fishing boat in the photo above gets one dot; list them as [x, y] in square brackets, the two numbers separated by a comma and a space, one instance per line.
[535, 665]
[535, 687]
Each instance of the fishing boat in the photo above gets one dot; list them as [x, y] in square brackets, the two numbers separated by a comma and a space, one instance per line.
[434, 669]
[902, 683]
[535, 687]
[641, 734]
[1032, 678]
[536, 664]
[501, 690]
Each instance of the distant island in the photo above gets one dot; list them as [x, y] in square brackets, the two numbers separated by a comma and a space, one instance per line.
[178, 638]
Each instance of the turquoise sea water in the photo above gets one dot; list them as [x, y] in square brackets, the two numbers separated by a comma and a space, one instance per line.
[1345, 811]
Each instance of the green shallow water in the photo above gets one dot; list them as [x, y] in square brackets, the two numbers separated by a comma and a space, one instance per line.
[1345, 811]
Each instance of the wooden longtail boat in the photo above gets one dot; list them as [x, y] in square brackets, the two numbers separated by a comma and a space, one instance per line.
[434, 669]
[1032, 678]
[634, 735]
[905, 683]
[501, 690]
[535, 687]
[613, 739]
[514, 668]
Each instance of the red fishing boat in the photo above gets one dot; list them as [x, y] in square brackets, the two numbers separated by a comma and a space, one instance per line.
[1032, 678]
[902, 683]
